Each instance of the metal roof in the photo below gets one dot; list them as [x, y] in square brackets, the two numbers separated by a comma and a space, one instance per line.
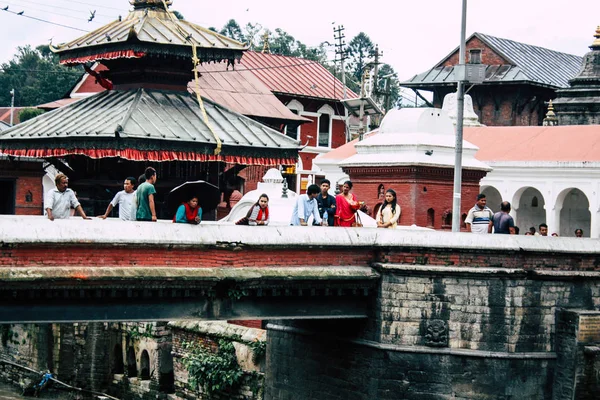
[241, 91]
[147, 28]
[4, 126]
[147, 115]
[294, 76]
[525, 63]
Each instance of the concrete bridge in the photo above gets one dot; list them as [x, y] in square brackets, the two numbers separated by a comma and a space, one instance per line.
[419, 315]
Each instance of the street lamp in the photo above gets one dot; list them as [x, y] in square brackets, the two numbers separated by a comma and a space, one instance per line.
[460, 102]
[12, 106]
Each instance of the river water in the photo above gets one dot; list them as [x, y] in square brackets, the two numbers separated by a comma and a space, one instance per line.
[8, 392]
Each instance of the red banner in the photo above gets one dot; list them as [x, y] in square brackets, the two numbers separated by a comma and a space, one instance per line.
[111, 55]
[149, 155]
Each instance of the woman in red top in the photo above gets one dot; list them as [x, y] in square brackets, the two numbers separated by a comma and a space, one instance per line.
[347, 206]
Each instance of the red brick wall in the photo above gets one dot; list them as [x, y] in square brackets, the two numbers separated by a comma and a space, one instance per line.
[488, 56]
[417, 190]
[91, 254]
[338, 134]
[309, 129]
[28, 177]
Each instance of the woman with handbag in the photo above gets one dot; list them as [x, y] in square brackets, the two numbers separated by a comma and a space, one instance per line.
[347, 206]
[389, 212]
[258, 214]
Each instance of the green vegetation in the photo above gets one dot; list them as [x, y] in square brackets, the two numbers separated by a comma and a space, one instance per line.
[36, 76]
[211, 371]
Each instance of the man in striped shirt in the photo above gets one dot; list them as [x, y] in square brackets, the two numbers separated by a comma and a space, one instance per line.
[479, 218]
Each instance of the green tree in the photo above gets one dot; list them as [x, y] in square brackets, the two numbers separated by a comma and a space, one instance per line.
[36, 76]
[394, 88]
[29, 113]
[359, 50]
[232, 29]
[252, 33]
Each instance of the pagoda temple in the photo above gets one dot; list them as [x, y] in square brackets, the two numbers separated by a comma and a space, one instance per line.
[147, 117]
[580, 103]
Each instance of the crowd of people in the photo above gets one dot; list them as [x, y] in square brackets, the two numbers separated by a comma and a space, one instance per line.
[341, 210]
[481, 219]
[325, 209]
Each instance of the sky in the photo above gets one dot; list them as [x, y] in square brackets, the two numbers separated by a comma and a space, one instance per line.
[413, 35]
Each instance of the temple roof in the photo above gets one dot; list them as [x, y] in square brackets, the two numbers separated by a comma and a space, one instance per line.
[524, 63]
[151, 122]
[149, 29]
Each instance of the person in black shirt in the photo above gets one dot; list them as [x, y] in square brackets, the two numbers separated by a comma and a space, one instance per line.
[326, 202]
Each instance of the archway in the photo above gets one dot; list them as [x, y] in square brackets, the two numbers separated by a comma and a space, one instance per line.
[145, 366]
[131, 365]
[530, 210]
[118, 366]
[493, 197]
[574, 209]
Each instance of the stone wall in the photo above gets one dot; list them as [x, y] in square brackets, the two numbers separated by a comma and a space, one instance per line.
[207, 335]
[445, 332]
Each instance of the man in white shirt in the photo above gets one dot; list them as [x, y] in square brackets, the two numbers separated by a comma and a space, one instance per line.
[306, 205]
[479, 218]
[124, 199]
[59, 201]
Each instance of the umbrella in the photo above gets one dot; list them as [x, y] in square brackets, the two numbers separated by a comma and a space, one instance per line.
[208, 195]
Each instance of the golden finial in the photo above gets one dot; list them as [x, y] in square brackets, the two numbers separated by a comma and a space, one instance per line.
[266, 48]
[550, 119]
[550, 110]
[596, 43]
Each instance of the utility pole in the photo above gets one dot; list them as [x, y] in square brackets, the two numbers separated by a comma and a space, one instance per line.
[376, 55]
[340, 51]
[460, 102]
[12, 106]
[363, 94]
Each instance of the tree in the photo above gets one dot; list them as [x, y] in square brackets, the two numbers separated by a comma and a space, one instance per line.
[394, 88]
[359, 50]
[36, 76]
[232, 30]
[251, 31]
[29, 113]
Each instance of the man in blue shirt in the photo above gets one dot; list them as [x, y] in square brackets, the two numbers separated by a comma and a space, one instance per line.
[306, 205]
[502, 221]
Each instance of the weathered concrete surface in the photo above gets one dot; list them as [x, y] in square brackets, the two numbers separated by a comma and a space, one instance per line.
[16, 230]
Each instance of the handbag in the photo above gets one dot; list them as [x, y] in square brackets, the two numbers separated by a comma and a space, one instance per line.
[357, 222]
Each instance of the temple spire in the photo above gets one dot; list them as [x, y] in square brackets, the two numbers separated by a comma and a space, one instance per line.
[596, 44]
[550, 119]
[266, 48]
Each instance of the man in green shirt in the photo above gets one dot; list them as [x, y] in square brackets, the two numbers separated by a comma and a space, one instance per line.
[146, 211]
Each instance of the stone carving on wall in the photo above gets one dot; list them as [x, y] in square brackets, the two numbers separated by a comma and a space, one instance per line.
[436, 333]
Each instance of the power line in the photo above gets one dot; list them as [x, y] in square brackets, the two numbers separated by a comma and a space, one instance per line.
[49, 12]
[63, 8]
[43, 20]
[92, 4]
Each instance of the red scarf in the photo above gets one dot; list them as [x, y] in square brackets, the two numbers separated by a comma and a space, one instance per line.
[190, 213]
[259, 217]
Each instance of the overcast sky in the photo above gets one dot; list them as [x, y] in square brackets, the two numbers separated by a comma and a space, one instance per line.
[414, 35]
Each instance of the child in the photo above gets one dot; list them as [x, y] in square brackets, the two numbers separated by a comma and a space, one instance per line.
[259, 212]
[388, 214]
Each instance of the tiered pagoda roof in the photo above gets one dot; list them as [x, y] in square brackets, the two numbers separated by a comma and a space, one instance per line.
[149, 116]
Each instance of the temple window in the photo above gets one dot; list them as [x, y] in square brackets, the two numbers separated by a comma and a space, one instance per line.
[325, 120]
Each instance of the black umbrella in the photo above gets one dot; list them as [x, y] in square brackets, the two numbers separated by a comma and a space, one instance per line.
[208, 195]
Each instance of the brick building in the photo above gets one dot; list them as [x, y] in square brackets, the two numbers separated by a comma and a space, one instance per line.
[519, 79]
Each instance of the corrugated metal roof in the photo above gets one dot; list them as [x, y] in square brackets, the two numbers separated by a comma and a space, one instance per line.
[148, 115]
[532, 64]
[151, 27]
[241, 91]
[538, 63]
[4, 126]
[445, 76]
[295, 76]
